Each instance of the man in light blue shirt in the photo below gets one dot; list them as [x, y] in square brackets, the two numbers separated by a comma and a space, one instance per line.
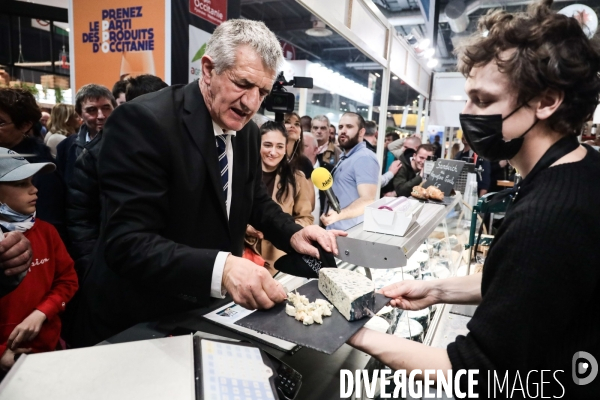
[354, 177]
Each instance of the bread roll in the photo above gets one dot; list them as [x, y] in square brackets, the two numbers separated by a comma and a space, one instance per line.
[435, 193]
[419, 193]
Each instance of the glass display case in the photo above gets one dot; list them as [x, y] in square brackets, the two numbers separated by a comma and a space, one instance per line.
[434, 249]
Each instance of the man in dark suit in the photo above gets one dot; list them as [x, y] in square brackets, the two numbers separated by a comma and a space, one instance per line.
[180, 173]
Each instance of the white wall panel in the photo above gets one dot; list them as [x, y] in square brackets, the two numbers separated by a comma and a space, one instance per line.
[335, 14]
[412, 72]
[448, 98]
[368, 27]
[449, 86]
[446, 113]
[398, 58]
[424, 80]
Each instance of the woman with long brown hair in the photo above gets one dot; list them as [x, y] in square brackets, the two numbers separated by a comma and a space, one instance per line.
[288, 186]
[295, 146]
[64, 122]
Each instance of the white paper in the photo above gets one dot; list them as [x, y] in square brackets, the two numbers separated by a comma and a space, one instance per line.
[231, 313]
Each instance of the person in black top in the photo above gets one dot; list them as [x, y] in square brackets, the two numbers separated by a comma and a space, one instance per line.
[437, 146]
[483, 168]
[370, 137]
[295, 146]
[532, 82]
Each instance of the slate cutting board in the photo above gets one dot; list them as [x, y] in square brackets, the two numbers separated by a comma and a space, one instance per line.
[326, 338]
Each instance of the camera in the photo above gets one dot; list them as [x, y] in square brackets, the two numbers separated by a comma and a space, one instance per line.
[279, 100]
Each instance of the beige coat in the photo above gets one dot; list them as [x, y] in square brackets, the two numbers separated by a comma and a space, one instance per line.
[300, 207]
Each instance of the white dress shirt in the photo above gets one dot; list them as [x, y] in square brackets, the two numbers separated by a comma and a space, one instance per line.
[216, 287]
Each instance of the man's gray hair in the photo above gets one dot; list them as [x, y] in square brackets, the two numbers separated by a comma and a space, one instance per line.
[308, 136]
[370, 128]
[93, 92]
[233, 33]
[322, 118]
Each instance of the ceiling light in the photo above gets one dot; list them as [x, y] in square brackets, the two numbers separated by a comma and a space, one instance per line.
[429, 53]
[423, 44]
[395, 77]
[319, 29]
[432, 63]
[377, 75]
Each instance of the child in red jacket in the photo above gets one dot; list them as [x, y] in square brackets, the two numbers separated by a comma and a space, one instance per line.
[29, 320]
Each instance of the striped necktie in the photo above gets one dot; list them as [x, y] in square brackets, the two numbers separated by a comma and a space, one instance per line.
[223, 164]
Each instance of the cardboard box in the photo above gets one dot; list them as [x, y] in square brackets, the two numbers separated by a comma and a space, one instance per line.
[53, 82]
[20, 85]
[391, 222]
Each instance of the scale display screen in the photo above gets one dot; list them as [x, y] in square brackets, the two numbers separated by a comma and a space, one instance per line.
[234, 372]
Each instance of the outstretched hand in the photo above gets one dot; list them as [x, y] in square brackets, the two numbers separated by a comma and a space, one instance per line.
[411, 295]
[301, 241]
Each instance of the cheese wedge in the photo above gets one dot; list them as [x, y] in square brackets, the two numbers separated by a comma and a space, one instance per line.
[350, 292]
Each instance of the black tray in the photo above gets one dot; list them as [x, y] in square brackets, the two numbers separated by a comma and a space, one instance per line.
[326, 338]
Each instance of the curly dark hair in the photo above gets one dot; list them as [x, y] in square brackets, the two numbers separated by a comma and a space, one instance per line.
[20, 105]
[285, 170]
[119, 87]
[551, 51]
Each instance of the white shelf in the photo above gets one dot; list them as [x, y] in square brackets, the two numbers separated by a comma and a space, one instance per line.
[381, 251]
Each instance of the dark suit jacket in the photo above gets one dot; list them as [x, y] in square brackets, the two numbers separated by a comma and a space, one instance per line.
[164, 217]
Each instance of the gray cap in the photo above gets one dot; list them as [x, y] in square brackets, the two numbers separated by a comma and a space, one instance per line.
[13, 167]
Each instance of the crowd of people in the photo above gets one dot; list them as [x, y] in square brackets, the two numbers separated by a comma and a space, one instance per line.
[47, 194]
[111, 180]
[107, 181]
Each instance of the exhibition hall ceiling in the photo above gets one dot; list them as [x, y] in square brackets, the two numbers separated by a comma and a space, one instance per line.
[290, 21]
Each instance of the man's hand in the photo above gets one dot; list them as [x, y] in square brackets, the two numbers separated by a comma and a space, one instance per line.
[26, 330]
[250, 231]
[15, 253]
[8, 358]
[301, 241]
[250, 285]
[395, 166]
[331, 217]
[411, 295]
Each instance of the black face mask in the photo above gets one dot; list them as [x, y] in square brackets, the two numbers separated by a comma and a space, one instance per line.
[484, 135]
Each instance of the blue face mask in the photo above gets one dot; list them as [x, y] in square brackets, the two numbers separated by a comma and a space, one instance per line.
[10, 215]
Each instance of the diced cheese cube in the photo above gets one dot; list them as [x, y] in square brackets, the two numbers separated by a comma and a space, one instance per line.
[290, 310]
[316, 315]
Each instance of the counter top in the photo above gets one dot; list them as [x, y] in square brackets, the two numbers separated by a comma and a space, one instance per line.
[320, 372]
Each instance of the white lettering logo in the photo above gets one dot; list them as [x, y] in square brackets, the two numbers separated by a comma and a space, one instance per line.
[582, 368]
[39, 262]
